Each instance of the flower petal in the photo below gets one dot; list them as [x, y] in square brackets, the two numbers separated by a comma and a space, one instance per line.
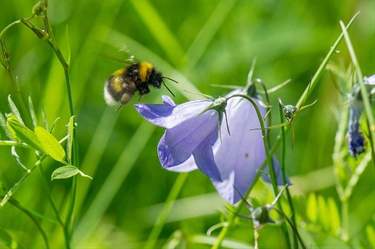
[355, 139]
[156, 112]
[204, 159]
[187, 166]
[179, 142]
[169, 114]
[370, 80]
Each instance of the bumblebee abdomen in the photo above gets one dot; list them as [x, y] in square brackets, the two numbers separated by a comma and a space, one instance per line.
[119, 87]
[116, 80]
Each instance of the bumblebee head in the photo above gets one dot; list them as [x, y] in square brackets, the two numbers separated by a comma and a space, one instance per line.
[156, 78]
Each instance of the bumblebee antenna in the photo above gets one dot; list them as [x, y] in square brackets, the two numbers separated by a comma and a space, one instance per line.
[167, 86]
[170, 79]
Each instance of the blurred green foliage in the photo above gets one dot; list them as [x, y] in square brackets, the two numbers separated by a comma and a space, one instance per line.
[197, 43]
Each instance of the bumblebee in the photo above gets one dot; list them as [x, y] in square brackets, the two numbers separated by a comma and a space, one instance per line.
[122, 84]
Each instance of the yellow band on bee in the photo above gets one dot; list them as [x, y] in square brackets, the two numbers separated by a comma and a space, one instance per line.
[118, 72]
[117, 82]
[144, 70]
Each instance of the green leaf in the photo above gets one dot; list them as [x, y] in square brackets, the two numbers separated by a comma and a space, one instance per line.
[53, 125]
[68, 171]
[311, 209]
[44, 117]
[334, 215]
[3, 124]
[18, 159]
[22, 133]
[70, 138]
[323, 218]
[32, 112]
[14, 109]
[49, 144]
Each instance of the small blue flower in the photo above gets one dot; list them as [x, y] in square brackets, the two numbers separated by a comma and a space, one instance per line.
[370, 80]
[191, 141]
[355, 139]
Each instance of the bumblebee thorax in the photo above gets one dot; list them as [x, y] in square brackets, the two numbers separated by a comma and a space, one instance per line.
[145, 70]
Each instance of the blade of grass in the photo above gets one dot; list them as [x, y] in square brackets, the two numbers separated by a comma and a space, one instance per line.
[95, 150]
[162, 218]
[323, 65]
[158, 28]
[208, 31]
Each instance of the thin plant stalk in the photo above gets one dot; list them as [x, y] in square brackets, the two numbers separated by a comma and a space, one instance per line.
[11, 191]
[50, 38]
[283, 173]
[294, 228]
[48, 194]
[31, 216]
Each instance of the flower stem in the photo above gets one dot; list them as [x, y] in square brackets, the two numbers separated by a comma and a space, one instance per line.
[11, 191]
[33, 218]
[265, 140]
[294, 228]
[290, 201]
[75, 159]
[268, 156]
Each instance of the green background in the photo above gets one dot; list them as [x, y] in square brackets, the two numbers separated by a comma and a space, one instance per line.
[197, 43]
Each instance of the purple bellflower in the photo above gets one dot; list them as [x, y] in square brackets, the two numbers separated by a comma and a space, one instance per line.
[191, 141]
[191, 131]
[355, 139]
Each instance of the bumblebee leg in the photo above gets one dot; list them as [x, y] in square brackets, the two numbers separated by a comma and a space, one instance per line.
[143, 90]
[125, 98]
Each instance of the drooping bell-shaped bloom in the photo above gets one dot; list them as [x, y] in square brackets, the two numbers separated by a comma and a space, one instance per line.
[355, 138]
[191, 131]
[191, 141]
